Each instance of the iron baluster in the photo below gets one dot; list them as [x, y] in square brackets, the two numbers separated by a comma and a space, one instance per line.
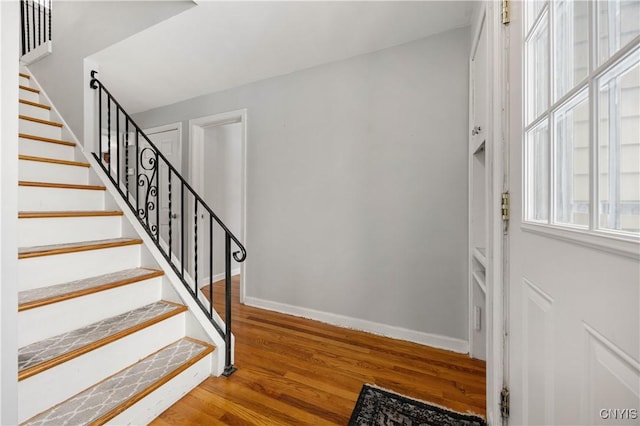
[99, 121]
[182, 227]
[118, 146]
[211, 266]
[26, 12]
[39, 26]
[170, 212]
[109, 133]
[195, 244]
[157, 199]
[137, 174]
[44, 25]
[228, 367]
[126, 157]
[22, 26]
[33, 23]
[49, 20]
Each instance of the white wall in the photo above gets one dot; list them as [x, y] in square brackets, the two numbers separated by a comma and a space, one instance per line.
[9, 31]
[357, 188]
[81, 28]
[222, 180]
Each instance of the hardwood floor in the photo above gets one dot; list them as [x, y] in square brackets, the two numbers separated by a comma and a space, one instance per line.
[294, 371]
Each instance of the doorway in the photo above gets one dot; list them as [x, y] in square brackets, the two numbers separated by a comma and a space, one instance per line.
[218, 173]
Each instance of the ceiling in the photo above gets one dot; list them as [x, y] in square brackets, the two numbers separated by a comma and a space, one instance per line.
[219, 45]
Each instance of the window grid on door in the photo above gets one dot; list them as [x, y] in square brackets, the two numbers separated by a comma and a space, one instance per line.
[582, 115]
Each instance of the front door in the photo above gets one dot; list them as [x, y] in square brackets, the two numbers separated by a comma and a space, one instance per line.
[574, 271]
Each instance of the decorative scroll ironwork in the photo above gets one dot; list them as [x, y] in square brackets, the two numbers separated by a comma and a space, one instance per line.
[154, 174]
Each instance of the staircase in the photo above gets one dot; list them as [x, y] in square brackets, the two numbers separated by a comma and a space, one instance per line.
[102, 334]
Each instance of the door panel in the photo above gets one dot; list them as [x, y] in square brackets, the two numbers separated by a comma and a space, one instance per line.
[168, 142]
[573, 314]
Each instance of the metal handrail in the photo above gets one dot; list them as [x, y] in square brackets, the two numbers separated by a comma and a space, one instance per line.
[147, 176]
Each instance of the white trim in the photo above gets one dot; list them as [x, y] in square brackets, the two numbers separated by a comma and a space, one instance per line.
[196, 145]
[9, 81]
[618, 245]
[498, 90]
[38, 53]
[434, 340]
[633, 363]
[165, 128]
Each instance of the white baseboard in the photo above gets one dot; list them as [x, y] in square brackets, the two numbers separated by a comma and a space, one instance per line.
[434, 340]
[217, 277]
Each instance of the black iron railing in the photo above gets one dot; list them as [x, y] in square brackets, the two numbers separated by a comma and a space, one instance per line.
[35, 19]
[181, 224]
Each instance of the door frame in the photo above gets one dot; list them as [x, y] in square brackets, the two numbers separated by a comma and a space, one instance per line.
[497, 156]
[197, 127]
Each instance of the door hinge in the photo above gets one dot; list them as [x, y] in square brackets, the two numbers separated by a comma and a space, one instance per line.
[506, 18]
[504, 403]
[506, 202]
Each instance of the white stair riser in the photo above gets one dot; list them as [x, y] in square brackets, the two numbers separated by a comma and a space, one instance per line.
[33, 111]
[45, 130]
[38, 171]
[33, 198]
[42, 271]
[35, 324]
[60, 230]
[43, 390]
[45, 149]
[28, 95]
[24, 81]
[150, 407]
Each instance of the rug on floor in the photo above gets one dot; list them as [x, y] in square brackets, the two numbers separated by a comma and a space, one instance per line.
[378, 406]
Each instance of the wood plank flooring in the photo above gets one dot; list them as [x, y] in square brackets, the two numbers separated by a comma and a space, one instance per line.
[294, 371]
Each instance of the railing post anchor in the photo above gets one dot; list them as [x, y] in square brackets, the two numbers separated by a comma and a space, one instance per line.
[229, 370]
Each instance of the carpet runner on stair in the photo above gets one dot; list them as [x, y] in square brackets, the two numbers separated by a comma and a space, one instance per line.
[105, 400]
[76, 246]
[40, 296]
[50, 349]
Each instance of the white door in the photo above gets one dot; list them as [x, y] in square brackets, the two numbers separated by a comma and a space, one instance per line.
[167, 140]
[574, 279]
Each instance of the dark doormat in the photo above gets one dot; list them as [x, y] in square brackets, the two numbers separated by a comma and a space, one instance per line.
[377, 406]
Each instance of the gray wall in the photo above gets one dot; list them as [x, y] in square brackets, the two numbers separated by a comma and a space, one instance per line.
[357, 184]
[60, 73]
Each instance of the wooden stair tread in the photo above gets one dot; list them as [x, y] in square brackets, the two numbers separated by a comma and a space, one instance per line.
[39, 120]
[43, 139]
[30, 89]
[61, 185]
[107, 399]
[71, 213]
[37, 297]
[45, 354]
[34, 104]
[27, 76]
[53, 249]
[53, 161]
